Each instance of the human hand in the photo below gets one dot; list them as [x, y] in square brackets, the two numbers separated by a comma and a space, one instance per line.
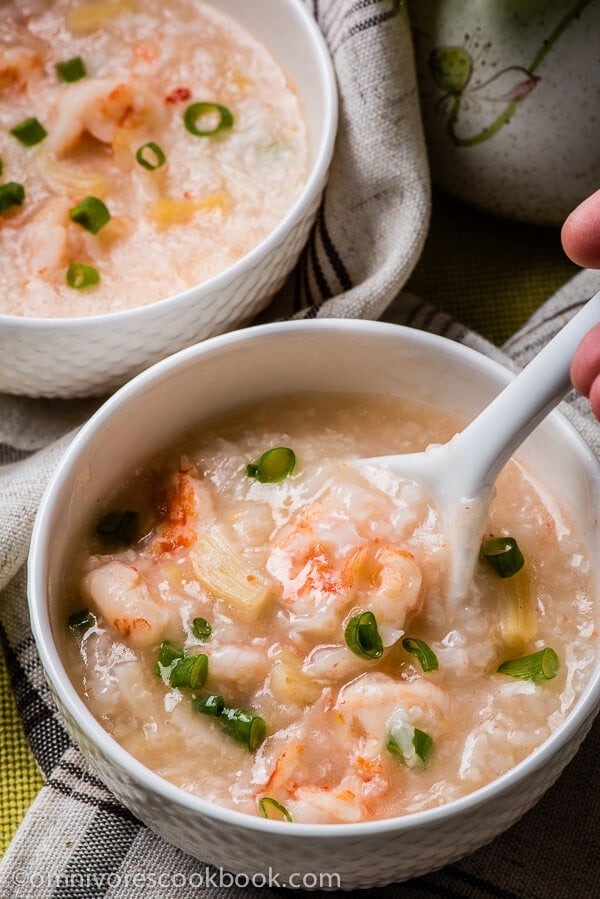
[580, 238]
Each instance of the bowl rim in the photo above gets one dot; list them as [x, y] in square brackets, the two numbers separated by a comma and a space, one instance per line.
[324, 141]
[585, 707]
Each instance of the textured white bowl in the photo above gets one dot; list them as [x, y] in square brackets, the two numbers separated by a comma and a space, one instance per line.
[93, 355]
[213, 377]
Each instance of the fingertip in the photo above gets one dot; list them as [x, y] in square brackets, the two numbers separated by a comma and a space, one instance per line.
[585, 366]
[580, 233]
[595, 397]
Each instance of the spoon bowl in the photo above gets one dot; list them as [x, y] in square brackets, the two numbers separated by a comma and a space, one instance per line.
[460, 475]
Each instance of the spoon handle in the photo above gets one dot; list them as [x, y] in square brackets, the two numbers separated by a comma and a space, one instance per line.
[491, 438]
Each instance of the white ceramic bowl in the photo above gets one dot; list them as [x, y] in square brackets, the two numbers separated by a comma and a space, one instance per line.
[215, 376]
[93, 355]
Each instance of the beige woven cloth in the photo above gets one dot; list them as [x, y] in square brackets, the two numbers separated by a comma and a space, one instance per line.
[77, 841]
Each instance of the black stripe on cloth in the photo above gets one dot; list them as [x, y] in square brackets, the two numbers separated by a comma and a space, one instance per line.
[333, 26]
[100, 853]
[366, 24]
[10, 454]
[85, 776]
[110, 806]
[539, 323]
[335, 260]
[318, 274]
[46, 736]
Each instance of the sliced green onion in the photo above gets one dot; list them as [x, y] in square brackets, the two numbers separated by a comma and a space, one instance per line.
[120, 526]
[426, 657]
[11, 194]
[410, 745]
[209, 704]
[273, 466]
[91, 214]
[196, 111]
[539, 666]
[362, 636]
[81, 276]
[190, 671]
[169, 655]
[275, 811]
[504, 555]
[30, 132]
[80, 621]
[201, 628]
[245, 728]
[157, 157]
[71, 69]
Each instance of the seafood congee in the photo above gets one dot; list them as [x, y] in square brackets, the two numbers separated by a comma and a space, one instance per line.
[268, 627]
[144, 147]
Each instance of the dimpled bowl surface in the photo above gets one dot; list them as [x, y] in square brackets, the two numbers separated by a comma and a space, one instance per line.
[94, 355]
[218, 375]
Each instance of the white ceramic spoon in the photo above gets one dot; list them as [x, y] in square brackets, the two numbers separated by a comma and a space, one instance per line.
[460, 475]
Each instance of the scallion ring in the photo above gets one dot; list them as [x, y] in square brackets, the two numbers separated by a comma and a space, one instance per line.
[539, 666]
[80, 276]
[81, 621]
[425, 656]
[169, 655]
[210, 112]
[273, 466]
[275, 811]
[190, 672]
[504, 555]
[30, 132]
[410, 745]
[121, 527]
[11, 194]
[201, 628]
[362, 636]
[209, 704]
[71, 70]
[157, 157]
[91, 214]
[245, 728]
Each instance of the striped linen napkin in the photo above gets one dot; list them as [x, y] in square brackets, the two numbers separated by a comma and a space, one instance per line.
[77, 842]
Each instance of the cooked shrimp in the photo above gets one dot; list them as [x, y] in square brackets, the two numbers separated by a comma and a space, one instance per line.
[17, 66]
[368, 707]
[238, 664]
[98, 106]
[189, 503]
[312, 568]
[122, 597]
[50, 237]
[395, 593]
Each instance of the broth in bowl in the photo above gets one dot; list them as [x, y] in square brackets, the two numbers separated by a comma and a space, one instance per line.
[145, 148]
[267, 628]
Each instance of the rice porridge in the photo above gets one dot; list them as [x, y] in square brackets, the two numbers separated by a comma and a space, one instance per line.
[267, 628]
[144, 147]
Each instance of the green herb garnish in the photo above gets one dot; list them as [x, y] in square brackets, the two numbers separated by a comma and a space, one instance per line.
[362, 636]
[30, 132]
[150, 156]
[91, 214]
[273, 466]
[410, 745]
[539, 666]
[275, 811]
[190, 672]
[245, 728]
[80, 276]
[71, 69]
[11, 194]
[504, 555]
[425, 656]
[201, 628]
[209, 704]
[216, 118]
[81, 621]
[120, 526]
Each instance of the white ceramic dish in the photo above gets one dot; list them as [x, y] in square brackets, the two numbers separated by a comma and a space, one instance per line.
[213, 377]
[93, 355]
